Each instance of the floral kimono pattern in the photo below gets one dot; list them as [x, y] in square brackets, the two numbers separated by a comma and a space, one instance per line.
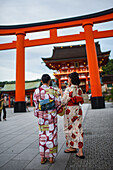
[47, 121]
[73, 118]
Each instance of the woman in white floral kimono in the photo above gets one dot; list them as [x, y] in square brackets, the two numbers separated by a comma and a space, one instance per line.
[47, 120]
[72, 98]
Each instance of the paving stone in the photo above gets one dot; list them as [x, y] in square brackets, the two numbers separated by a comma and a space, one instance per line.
[36, 165]
[18, 148]
[35, 144]
[2, 149]
[6, 138]
[15, 165]
[4, 158]
[27, 154]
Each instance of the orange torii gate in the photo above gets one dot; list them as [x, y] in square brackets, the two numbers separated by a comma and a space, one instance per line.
[86, 21]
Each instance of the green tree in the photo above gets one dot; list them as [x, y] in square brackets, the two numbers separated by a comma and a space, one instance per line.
[112, 94]
[108, 68]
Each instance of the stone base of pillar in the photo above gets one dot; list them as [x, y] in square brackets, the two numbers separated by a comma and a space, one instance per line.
[19, 107]
[97, 102]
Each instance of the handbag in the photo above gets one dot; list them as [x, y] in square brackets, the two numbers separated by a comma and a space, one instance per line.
[61, 110]
[46, 104]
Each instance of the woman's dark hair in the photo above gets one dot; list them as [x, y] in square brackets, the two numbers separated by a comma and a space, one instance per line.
[74, 78]
[45, 78]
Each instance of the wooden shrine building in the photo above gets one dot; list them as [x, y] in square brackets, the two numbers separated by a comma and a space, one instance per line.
[68, 59]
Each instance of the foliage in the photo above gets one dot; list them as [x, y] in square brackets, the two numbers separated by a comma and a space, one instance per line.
[104, 92]
[2, 83]
[112, 94]
[109, 97]
[108, 68]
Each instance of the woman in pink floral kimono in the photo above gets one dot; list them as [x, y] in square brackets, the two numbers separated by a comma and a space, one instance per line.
[47, 120]
[72, 98]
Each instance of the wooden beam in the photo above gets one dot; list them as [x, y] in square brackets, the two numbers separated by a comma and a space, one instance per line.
[8, 46]
[54, 39]
[102, 34]
[57, 39]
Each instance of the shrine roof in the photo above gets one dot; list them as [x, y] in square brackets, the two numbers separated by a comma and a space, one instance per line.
[73, 52]
[28, 86]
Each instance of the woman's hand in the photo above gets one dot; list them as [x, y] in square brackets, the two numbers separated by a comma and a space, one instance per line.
[1, 99]
[61, 92]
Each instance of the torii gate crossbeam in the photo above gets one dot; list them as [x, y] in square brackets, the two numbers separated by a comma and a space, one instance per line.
[86, 21]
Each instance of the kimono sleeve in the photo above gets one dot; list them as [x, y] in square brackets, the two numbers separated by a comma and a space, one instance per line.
[36, 102]
[57, 98]
[65, 97]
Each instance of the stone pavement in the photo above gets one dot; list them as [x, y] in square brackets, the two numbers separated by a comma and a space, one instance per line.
[19, 142]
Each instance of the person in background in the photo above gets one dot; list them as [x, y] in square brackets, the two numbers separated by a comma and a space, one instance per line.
[4, 106]
[12, 102]
[47, 119]
[27, 104]
[66, 83]
[89, 96]
[73, 99]
[3, 99]
[1, 104]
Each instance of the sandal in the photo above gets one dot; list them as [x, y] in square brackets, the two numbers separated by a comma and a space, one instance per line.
[81, 157]
[70, 151]
[43, 161]
[51, 161]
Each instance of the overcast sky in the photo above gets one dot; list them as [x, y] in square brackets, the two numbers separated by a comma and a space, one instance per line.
[14, 12]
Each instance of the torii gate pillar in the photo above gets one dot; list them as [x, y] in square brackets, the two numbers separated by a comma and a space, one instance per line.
[97, 100]
[20, 104]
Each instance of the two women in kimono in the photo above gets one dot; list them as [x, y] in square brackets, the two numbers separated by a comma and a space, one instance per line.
[47, 120]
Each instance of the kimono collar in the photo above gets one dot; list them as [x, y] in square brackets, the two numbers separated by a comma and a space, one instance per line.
[74, 86]
[44, 86]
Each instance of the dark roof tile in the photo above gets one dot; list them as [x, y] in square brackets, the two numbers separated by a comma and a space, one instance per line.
[72, 52]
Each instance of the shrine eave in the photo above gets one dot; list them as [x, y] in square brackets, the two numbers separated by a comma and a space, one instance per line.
[30, 85]
[48, 60]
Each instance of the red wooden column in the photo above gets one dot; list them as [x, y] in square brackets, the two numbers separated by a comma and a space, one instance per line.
[59, 79]
[97, 98]
[31, 99]
[20, 104]
[9, 102]
[87, 88]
